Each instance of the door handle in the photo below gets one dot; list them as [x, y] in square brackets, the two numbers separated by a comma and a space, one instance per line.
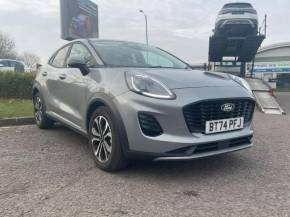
[44, 74]
[62, 76]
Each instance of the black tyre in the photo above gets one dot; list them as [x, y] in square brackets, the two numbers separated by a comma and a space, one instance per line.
[41, 119]
[104, 140]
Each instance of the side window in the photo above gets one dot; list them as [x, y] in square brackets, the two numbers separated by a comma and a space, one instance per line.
[59, 58]
[156, 60]
[5, 63]
[19, 67]
[12, 63]
[80, 51]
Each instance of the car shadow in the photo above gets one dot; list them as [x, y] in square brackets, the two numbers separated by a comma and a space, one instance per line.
[221, 165]
[212, 166]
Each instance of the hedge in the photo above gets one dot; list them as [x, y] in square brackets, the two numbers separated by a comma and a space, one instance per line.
[16, 85]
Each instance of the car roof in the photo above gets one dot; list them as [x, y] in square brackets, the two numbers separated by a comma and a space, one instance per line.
[238, 3]
[102, 41]
[18, 61]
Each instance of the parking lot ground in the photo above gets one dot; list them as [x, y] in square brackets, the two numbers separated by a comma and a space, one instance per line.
[283, 99]
[51, 173]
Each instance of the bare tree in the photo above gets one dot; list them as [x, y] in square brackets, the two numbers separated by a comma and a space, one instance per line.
[30, 59]
[7, 51]
[7, 46]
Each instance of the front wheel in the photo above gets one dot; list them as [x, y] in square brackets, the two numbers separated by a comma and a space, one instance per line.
[105, 141]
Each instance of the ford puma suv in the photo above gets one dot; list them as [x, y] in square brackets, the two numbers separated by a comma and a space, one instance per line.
[136, 101]
[237, 19]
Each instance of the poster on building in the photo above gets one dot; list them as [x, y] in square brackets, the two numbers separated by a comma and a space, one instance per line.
[272, 67]
[79, 19]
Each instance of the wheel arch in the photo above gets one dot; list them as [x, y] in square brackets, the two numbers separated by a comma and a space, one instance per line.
[103, 100]
[35, 89]
[96, 103]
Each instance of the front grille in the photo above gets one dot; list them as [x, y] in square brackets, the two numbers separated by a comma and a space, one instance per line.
[149, 125]
[197, 114]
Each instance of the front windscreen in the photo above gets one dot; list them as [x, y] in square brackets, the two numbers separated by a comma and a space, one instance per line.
[126, 54]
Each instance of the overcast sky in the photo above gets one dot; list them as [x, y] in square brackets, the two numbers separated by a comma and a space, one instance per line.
[179, 26]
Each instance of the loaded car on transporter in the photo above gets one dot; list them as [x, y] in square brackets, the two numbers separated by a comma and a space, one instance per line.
[132, 100]
[237, 19]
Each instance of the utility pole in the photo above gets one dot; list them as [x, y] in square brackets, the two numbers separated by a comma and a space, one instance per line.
[146, 22]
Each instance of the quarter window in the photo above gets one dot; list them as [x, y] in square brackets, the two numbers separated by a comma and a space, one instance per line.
[60, 57]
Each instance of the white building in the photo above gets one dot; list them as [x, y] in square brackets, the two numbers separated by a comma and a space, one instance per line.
[272, 63]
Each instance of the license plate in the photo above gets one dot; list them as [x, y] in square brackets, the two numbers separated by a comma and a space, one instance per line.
[224, 125]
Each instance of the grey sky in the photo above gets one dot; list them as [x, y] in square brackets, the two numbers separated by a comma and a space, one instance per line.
[179, 26]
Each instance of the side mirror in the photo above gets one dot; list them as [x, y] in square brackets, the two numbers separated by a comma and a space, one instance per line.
[79, 63]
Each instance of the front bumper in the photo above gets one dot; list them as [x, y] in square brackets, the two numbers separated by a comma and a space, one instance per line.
[193, 156]
[237, 22]
[248, 19]
[176, 135]
[203, 155]
[237, 25]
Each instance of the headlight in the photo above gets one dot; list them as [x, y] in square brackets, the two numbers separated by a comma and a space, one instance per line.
[148, 86]
[242, 82]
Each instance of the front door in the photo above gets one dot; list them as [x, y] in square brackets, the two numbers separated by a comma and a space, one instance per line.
[52, 75]
[75, 86]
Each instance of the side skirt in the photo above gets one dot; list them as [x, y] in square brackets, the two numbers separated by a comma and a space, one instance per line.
[67, 123]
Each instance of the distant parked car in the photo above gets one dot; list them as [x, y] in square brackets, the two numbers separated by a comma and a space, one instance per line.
[8, 65]
[237, 19]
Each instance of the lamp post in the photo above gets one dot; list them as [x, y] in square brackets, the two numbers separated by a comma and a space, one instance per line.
[141, 11]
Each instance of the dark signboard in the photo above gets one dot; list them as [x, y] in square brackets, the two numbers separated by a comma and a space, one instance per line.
[79, 19]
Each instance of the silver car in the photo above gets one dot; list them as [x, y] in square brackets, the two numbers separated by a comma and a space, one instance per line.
[138, 101]
[237, 19]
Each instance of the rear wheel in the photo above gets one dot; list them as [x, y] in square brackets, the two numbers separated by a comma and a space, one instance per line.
[105, 141]
[41, 119]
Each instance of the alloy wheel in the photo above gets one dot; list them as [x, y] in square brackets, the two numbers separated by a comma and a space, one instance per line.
[101, 139]
[38, 109]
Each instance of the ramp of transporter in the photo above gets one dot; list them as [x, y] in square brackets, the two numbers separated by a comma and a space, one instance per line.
[266, 101]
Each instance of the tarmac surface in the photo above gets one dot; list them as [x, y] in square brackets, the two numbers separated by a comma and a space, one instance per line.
[51, 173]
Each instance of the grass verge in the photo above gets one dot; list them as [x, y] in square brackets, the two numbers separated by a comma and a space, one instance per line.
[12, 108]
